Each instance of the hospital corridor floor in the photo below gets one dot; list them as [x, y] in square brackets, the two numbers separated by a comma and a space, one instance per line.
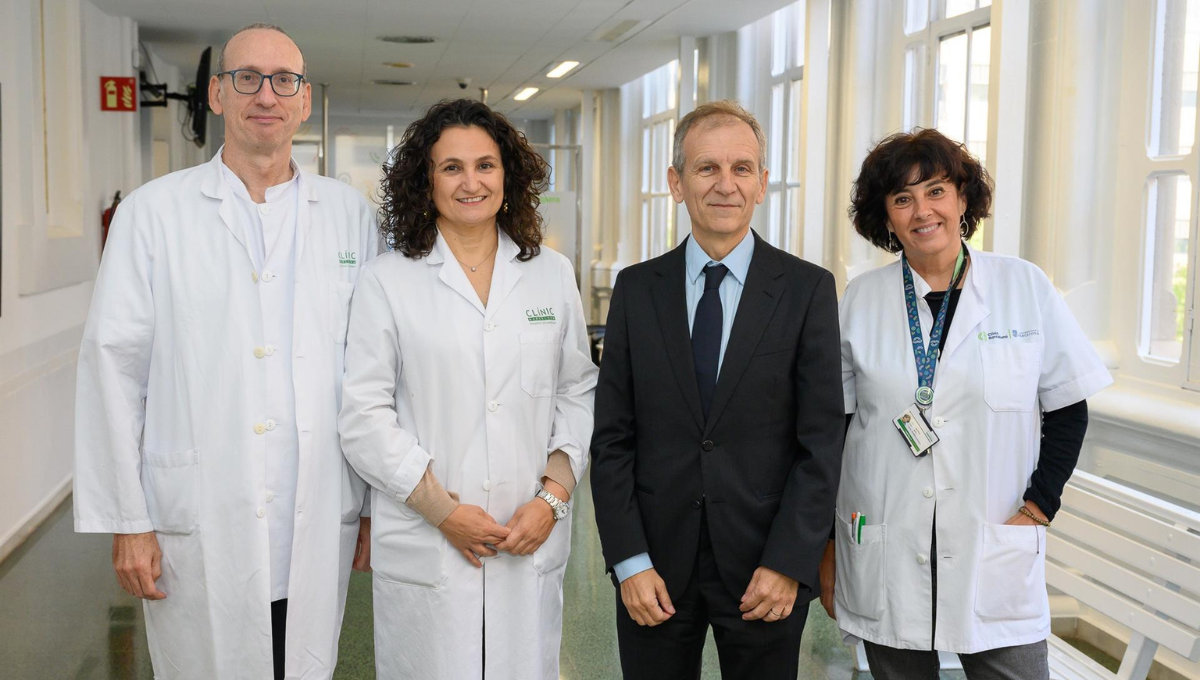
[63, 617]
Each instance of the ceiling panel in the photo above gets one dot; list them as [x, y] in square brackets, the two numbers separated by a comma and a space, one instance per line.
[501, 44]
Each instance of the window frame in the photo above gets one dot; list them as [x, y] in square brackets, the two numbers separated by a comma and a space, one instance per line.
[781, 36]
[654, 242]
[925, 88]
[1147, 164]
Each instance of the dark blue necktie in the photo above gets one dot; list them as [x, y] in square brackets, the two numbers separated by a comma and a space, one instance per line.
[706, 334]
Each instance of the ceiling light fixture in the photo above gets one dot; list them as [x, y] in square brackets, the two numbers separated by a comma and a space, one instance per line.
[525, 94]
[398, 64]
[407, 39]
[562, 69]
[393, 82]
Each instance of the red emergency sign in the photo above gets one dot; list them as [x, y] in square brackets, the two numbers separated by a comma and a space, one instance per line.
[118, 94]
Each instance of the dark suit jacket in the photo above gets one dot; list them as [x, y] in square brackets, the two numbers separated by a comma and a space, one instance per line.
[766, 462]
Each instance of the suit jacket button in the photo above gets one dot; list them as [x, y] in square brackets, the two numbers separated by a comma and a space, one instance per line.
[696, 504]
[707, 445]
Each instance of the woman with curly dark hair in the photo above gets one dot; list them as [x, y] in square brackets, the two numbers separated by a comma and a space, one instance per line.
[467, 405]
[944, 500]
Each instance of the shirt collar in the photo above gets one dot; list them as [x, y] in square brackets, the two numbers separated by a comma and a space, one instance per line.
[271, 195]
[737, 261]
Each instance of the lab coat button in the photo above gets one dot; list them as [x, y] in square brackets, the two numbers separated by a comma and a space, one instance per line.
[490, 327]
[268, 276]
[939, 422]
[492, 406]
[921, 559]
[707, 445]
[254, 276]
[270, 496]
[487, 485]
[259, 428]
[270, 350]
[270, 424]
[696, 504]
[259, 352]
[262, 512]
[264, 210]
[927, 492]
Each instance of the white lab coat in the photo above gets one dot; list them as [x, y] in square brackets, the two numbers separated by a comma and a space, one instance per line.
[486, 394]
[168, 398]
[1013, 350]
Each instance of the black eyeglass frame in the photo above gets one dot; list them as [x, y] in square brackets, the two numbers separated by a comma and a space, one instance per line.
[262, 77]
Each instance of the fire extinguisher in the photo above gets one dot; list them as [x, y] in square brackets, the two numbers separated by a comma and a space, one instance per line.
[106, 219]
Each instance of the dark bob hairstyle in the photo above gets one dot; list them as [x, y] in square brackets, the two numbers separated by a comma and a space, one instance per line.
[890, 166]
[408, 217]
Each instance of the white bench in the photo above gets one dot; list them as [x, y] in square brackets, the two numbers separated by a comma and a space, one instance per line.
[1133, 558]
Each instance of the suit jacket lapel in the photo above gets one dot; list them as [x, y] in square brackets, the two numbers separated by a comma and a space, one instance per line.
[670, 303]
[760, 296]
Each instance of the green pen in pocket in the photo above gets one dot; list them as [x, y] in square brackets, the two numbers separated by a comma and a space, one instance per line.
[862, 519]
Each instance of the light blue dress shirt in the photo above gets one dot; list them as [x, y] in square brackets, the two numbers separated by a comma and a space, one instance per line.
[695, 260]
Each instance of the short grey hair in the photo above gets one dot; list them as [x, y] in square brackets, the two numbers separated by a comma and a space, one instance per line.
[257, 27]
[721, 112]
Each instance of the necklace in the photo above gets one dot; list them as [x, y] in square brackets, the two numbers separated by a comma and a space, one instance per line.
[485, 259]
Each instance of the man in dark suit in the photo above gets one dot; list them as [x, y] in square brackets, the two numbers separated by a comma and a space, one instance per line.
[719, 426]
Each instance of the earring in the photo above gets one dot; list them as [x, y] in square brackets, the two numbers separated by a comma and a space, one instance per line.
[963, 227]
[893, 242]
[506, 206]
[424, 213]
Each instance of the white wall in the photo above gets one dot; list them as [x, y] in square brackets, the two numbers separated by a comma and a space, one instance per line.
[40, 330]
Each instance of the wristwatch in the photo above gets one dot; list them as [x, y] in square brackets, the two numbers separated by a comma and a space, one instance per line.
[558, 505]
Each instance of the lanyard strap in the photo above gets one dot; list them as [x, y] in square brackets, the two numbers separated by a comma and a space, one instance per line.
[927, 359]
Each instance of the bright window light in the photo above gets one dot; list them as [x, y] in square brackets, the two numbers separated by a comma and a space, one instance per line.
[562, 69]
[525, 94]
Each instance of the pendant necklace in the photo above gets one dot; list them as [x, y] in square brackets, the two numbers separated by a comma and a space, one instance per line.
[485, 259]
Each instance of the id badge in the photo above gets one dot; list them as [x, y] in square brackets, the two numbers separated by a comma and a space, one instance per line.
[917, 433]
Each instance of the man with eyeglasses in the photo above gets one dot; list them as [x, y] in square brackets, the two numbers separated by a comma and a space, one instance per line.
[209, 386]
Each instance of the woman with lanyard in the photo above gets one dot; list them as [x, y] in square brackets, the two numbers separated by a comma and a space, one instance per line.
[965, 376]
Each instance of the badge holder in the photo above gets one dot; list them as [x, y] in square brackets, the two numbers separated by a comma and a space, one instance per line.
[917, 433]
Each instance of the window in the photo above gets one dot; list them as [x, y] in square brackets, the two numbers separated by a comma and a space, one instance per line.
[953, 53]
[659, 91]
[783, 32]
[1167, 296]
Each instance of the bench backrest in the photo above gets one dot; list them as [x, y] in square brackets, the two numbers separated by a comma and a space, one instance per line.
[1134, 558]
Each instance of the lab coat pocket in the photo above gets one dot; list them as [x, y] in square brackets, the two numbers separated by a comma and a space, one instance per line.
[339, 309]
[405, 548]
[552, 555]
[1010, 374]
[860, 569]
[1011, 583]
[539, 362]
[170, 483]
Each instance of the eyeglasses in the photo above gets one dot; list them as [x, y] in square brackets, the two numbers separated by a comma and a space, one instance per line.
[245, 81]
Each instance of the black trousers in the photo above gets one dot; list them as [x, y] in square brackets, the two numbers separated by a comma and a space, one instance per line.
[673, 650]
[278, 632]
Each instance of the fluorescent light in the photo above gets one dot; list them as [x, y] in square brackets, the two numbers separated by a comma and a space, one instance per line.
[562, 69]
[525, 94]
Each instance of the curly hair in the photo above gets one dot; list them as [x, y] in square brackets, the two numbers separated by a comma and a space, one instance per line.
[408, 216]
[888, 168]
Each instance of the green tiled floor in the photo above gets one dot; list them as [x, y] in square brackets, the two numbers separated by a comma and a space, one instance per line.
[62, 615]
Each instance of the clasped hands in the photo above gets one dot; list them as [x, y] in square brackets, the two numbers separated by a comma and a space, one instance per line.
[770, 597]
[474, 533]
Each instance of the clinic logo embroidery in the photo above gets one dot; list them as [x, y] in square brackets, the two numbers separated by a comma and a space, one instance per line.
[347, 258]
[984, 336]
[1024, 334]
[541, 315]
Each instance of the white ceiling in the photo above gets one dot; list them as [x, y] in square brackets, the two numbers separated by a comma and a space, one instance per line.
[503, 45]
